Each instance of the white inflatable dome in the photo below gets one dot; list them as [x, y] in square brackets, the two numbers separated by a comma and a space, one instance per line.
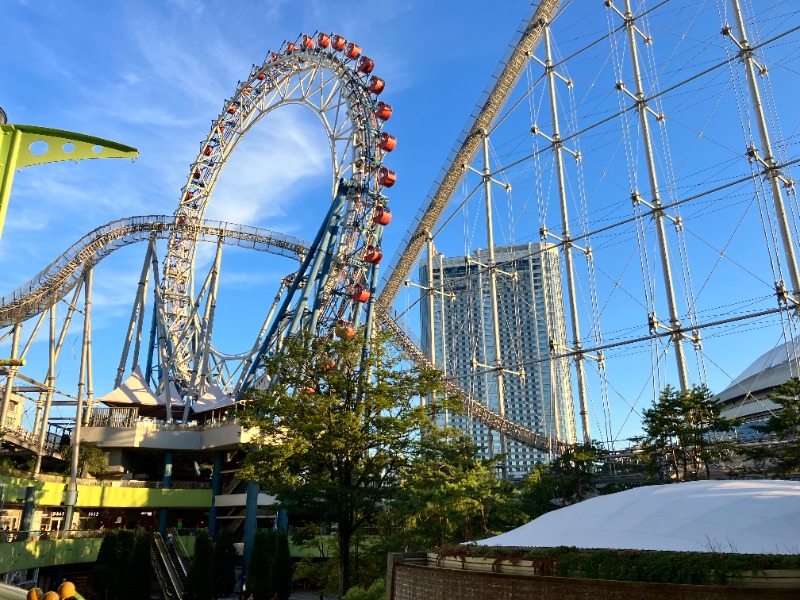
[746, 517]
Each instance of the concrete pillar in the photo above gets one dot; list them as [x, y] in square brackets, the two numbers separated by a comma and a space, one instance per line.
[27, 512]
[250, 513]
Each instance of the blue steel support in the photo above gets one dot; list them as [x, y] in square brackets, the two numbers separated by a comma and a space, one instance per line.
[27, 512]
[326, 269]
[341, 195]
[283, 519]
[373, 283]
[322, 256]
[148, 374]
[166, 481]
[250, 514]
[216, 489]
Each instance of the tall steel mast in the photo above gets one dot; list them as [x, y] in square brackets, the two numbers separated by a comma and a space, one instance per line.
[768, 161]
[566, 237]
[655, 206]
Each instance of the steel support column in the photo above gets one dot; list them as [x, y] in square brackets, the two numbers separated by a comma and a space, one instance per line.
[71, 497]
[769, 155]
[492, 268]
[566, 237]
[655, 197]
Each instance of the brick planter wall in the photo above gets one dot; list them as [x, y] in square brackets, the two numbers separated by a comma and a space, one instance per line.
[416, 582]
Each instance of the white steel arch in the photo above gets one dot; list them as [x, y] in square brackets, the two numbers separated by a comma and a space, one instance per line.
[332, 78]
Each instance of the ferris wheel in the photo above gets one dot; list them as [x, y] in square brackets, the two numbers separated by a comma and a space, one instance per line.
[335, 285]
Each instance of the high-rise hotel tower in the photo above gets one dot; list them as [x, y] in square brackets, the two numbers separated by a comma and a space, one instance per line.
[537, 390]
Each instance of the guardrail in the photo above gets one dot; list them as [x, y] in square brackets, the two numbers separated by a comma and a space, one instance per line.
[38, 534]
[124, 483]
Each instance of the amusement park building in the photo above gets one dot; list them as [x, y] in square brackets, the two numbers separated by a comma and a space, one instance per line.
[747, 397]
[531, 316]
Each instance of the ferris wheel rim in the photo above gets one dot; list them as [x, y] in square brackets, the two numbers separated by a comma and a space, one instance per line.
[325, 82]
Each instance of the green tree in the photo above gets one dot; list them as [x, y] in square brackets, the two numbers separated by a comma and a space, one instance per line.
[568, 479]
[262, 562]
[449, 495]
[785, 425]
[377, 591]
[126, 541]
[106, 569]
[224, 563]
[337, 432]
[139, 570]
[91, 459]
[679, 432]
[282, 566]
[200, 579]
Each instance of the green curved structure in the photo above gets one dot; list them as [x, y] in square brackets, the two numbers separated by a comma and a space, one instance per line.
[26, 145]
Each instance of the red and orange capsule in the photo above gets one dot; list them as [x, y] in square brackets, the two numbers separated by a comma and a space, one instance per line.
[388, 142]
[376, 85]
[360, 294]
[365, 64]
[386, 177]
[353, 50]
[382, 216]
[383, 111]
[374, 255]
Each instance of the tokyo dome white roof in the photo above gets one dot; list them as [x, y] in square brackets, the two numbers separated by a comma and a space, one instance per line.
[746, 517]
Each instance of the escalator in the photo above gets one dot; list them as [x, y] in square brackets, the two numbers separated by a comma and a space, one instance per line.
[171, 578]
[179, 557]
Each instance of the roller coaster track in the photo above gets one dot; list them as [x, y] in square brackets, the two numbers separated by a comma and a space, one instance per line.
[472, 407]
[466, 146]
[57, 279]
[60, 276]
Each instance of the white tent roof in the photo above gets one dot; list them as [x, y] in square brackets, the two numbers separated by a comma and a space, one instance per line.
[760, 517]
[213, 399]
[134, 391]
[174, 395]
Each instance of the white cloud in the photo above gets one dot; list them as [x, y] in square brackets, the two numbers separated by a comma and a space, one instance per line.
[280, 153]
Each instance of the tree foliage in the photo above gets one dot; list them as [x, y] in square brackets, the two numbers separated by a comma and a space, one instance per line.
[784, 457]
[225, 558]
[138, 573]
[568, 479]
[377, 591]
[679, 433]
[200, 580]
[448, 494]
[91, 459]
[282, 566]
[262, 564]
[106, 569]
[337, 432]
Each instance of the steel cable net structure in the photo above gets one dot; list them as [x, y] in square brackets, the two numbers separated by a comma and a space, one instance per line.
[560, 271]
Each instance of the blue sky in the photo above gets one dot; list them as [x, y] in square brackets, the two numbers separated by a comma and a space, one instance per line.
[155, 74]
